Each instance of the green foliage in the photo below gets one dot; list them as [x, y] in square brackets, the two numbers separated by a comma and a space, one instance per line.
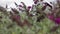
[42, 27]
[7, 26]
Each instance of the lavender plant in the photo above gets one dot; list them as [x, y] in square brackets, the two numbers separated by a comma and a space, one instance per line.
[29, 20]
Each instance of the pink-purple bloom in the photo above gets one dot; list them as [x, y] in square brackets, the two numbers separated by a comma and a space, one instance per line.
[29, 7]
[56, 20]
[35, 1]
[20, 6]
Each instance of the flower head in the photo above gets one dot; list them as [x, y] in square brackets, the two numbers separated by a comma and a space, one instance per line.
[35, 1]
[29, 7]
[56, 20]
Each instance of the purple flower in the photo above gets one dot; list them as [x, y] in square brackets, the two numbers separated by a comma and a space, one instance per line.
[56, 20]
[35, 1]
[29, 7]
[20, 6]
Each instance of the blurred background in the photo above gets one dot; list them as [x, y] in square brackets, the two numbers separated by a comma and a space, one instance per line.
[29, 16]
